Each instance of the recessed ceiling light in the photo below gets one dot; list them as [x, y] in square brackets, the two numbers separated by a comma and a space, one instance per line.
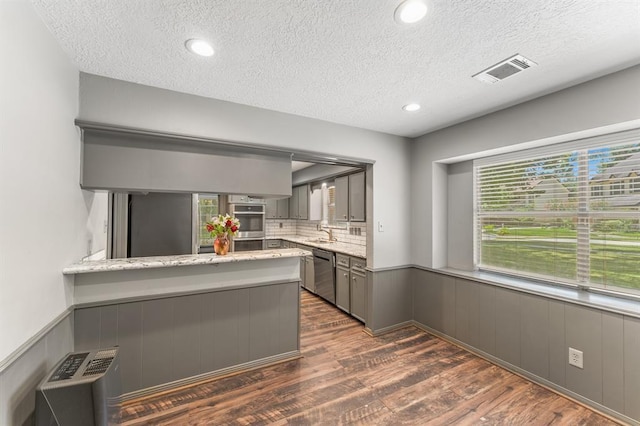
[199, 47]
[411, 107]
[410, 11]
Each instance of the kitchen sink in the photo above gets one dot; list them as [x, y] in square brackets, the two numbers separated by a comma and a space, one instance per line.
[321, 241]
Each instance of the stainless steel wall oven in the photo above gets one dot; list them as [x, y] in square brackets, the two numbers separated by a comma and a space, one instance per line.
[252, 226]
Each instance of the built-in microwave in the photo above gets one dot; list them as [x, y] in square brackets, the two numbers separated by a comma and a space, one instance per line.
[252, 220]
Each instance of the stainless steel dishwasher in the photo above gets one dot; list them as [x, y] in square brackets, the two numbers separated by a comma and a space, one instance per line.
[324, 263]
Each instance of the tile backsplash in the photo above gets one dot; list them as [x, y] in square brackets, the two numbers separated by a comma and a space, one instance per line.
[354, 234]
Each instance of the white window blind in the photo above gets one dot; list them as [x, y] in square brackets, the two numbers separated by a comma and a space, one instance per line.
[568, 213]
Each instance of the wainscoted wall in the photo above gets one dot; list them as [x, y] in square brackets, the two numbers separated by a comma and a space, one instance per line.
[531, 334]
[171, 338]
[19, 378]
[389, 299]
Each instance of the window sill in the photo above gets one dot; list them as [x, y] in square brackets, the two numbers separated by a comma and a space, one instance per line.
[606, 302]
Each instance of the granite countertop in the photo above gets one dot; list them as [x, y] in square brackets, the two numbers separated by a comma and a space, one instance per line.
[181, 260]
[338, 247]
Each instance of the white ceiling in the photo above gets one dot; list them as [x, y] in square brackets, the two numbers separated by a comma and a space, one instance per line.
[348, 61]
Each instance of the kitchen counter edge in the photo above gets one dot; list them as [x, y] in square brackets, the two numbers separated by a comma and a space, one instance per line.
[180, 260]
[337, 247]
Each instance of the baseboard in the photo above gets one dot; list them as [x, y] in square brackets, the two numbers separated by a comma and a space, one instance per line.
[389, 329]
[158, 390]
[566, 393]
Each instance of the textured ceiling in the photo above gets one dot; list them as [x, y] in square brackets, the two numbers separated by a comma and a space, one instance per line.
[348, 61]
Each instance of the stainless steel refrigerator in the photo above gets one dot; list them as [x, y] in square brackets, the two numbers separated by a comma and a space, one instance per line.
[160, 224]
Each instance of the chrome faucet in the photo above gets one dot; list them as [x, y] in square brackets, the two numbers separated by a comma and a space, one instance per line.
[330, 232]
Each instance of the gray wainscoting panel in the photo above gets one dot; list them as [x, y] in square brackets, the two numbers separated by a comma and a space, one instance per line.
[487, 320]
[392, 294]
[434, 301]
[584, 332]
[108, 326]
[19, 379]
[289, 314]
[558, 353]
[262, 342]
[157, 341]
[187, 324]
[534, 335]
[427, 308]
[508, 326]
[448, 305]
[613, 361]
[632, 367]
[87, 328]
[130, 342]
[467, 310]
[172, 338]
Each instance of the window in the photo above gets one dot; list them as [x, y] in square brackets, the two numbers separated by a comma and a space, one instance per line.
[207, 209]
[543, 213]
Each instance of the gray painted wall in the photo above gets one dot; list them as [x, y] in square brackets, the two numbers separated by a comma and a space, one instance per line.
[18, 381]
[459, 204]
[168, 339]
[610, 102]
[126, 104]
[534, 333]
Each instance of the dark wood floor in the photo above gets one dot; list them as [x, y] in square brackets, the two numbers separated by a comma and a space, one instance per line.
[348, 377]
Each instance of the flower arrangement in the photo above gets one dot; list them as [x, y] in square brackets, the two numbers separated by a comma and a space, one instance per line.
[223, 225]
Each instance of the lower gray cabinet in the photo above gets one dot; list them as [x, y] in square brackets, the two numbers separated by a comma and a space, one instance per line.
[343, 284]
[343, 288]
[309, 274]
[358, 288]
[307, 270]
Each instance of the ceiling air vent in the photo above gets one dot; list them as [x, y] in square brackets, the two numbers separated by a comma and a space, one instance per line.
[504, 69]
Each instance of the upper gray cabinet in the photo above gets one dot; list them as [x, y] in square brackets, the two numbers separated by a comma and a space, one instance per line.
[342, 198]
[350, 198]
[357, 197]
[277, 209]
[299, 203]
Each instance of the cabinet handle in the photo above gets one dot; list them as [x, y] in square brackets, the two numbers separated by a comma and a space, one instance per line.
[354, 278]
[345, 275]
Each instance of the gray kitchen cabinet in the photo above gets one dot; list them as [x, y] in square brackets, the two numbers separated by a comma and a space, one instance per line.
[307, 270]
[358, 288]
[342, 198]
[303, 202]
[350, 197]
[357, 197]
[274, 244]
[286, 244]
[277, 209]
[271, 209]
[343, 283]
[299, 203]
[282, 208]
[293, 204]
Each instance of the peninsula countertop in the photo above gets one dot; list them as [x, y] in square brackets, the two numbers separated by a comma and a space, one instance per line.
[134, 263]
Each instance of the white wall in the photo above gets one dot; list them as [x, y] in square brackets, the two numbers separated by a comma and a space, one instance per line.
[44, 214]
[126, 104]
[612, 101]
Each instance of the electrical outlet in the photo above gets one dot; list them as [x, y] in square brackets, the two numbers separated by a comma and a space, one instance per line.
[575, 358]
